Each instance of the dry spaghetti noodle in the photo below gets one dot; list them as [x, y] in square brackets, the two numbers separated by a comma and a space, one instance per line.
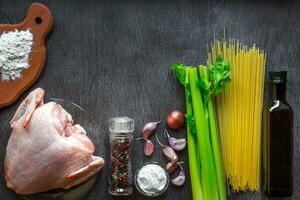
[238, 111]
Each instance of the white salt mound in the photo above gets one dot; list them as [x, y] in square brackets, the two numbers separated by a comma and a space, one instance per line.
[152, 179]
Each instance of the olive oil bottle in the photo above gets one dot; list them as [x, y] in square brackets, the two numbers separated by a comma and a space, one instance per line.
[277, 139]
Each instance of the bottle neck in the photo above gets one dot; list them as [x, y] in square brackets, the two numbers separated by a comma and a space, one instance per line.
[277, 91]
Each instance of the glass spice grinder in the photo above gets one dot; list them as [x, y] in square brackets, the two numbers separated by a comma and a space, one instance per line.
[121, 140]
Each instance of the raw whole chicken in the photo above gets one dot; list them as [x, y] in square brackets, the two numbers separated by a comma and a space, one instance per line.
[46, 150]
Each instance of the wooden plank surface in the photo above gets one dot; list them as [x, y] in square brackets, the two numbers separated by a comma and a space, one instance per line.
[113, 58]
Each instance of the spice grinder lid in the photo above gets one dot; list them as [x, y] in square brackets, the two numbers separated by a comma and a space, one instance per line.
[278, 76]
[121, 125]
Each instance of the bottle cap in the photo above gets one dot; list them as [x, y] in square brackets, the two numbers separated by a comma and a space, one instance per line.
[121, 125]
[277, 76]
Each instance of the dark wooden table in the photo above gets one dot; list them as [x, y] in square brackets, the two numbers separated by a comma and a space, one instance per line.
[113, 58]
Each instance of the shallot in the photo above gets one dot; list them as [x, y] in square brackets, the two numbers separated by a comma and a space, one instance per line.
[175, 119]
[176, 144]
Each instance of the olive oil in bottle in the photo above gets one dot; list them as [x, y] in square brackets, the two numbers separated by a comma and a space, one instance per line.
[277, 139]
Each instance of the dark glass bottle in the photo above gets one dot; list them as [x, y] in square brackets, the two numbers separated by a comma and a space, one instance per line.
[277, 139]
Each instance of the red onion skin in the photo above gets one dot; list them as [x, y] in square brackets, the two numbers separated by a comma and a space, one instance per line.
[175, 119]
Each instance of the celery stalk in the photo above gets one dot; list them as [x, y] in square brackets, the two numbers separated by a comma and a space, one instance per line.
[215, 141]
[192, 154]
[182, 76]
[207, 172]
[205, 161]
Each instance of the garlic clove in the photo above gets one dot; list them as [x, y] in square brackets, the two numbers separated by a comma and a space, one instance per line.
[171, 167]
[179, 145]
[172, 141]
[180, 179]
[149, 129]
[168, 151]
[176, 144]
[148, 148]
[170, 154]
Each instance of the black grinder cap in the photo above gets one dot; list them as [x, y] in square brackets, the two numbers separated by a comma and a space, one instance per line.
[278, 76]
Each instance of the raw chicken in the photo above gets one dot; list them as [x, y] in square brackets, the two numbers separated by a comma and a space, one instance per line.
[46, 150]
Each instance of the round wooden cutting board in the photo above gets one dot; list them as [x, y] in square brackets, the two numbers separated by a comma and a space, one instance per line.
[39, 21]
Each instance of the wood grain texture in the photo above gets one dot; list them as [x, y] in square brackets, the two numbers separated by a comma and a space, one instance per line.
[113, 58]
[39, 21]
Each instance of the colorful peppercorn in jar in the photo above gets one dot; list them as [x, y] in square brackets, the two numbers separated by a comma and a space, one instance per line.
[121, 140]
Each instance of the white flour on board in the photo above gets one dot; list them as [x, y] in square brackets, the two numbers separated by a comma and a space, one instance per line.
[15, 47]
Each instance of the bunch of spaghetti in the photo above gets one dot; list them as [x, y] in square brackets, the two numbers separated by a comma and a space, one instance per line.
[238, 111]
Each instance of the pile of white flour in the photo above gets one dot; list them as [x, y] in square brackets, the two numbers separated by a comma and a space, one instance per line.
[15, 47]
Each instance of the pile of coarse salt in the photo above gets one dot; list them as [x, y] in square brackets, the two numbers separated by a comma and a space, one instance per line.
[15, 47]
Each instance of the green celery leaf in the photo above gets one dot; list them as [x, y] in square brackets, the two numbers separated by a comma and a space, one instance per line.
[179, 70]
[219, 75]
[204, 86]
[191, 121]
[188, 91]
